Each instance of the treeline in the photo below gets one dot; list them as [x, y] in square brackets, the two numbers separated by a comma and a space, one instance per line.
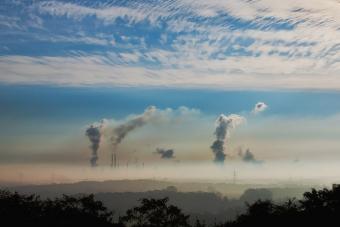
[316, 208]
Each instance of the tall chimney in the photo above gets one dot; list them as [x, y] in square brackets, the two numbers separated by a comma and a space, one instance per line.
[115, 160]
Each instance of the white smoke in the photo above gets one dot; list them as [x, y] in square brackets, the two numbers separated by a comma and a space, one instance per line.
[259, 107]
[115, 131]
[121, 131]
[224, 124]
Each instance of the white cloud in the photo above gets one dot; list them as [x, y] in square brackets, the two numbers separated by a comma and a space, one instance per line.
[100, 70]
[206, 52]
[10, 22]
[108, 14]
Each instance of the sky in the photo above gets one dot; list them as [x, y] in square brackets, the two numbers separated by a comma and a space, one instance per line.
[65, 65]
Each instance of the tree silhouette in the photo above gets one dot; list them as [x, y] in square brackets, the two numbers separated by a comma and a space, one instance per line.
[316, 208]
[155, 213]
[20, 210]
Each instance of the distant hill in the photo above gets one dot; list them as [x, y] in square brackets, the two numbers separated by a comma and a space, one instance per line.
[206, 206]
[230, 190]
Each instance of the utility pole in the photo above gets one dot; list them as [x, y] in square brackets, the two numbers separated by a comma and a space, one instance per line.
[115, 160]
[111, 159]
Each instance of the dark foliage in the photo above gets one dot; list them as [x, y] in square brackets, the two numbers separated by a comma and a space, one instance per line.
[316, 208]
[22, 210]
[155, 213]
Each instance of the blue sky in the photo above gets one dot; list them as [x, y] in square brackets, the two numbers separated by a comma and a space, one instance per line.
[67, 103]
[66, 64]
[202, 44]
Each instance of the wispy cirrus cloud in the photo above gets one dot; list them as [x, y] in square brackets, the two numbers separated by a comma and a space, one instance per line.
[105, 12]
[115, 71]
[260, 44]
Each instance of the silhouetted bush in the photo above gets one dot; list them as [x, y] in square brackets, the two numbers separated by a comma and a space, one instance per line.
[316, 208]
[155, 213]
[22, 210]
[251, 195]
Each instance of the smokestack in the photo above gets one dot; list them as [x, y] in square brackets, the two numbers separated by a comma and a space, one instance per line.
[115, 159]
[120, 132]
[224, 124]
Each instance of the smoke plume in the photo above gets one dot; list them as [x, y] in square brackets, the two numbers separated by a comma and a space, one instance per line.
[121, 131]
[224, 125]
[116, 132]
[94, 133]
[165, 153]
[259, 107]
[249, 157]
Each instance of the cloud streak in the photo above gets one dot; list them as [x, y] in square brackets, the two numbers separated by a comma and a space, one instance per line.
[95, 71]
[234, 44]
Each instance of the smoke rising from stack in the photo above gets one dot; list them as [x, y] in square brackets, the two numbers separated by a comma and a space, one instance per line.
[165, 153]
[121, 131]
[94, 133]
[224, 125]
